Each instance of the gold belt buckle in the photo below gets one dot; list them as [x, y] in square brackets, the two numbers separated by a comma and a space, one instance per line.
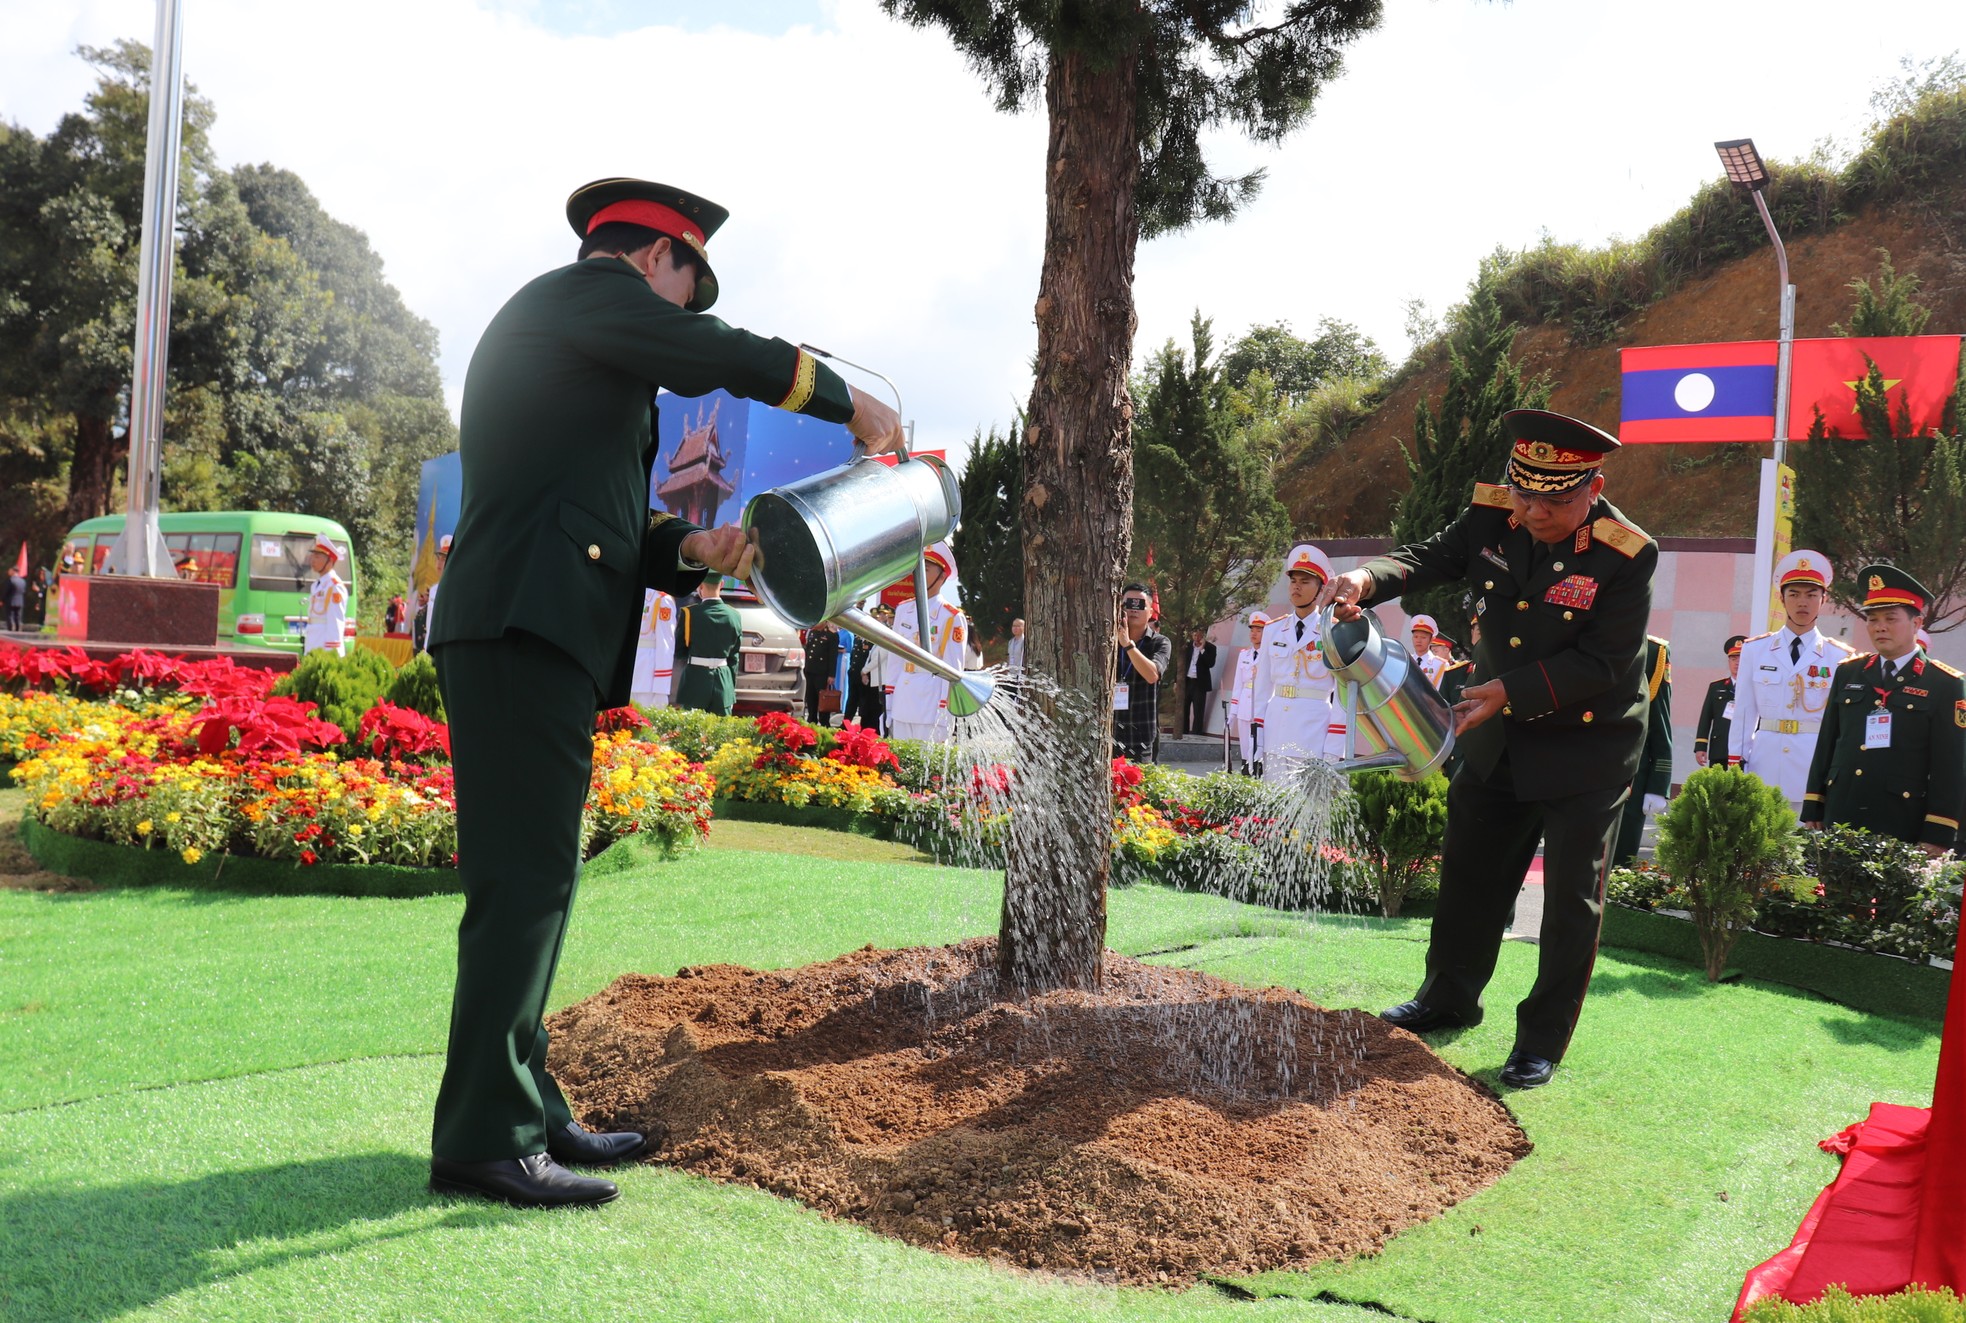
[1791, 727]
[1286, 691]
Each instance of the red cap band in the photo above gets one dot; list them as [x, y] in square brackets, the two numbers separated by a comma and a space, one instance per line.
[651, 216]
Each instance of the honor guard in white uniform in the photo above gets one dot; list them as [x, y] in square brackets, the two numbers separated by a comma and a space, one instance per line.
[1784, 682]
[917, 699]
[1242, 692]
[655, 651]
[1424, 633]
[1292, 706]
[327, 602]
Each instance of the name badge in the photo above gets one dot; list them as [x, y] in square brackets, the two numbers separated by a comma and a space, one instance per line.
[1119, 698]
[1727, 713]
[1877, 730]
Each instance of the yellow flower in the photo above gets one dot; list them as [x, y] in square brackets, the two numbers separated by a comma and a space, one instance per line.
[172, 816]
[143, 828]
[192, 854]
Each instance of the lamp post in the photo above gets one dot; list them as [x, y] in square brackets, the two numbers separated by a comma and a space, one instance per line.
[1745, 169]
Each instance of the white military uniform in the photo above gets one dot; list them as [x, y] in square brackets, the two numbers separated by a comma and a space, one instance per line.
[1292, 700]
[1430, 665]
[918, 699]
[1242, 695]
[1781, 691]
[655, 651]
[327, 609]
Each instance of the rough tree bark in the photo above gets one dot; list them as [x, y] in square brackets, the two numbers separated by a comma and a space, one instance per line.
[1078, 505]
[92, 474]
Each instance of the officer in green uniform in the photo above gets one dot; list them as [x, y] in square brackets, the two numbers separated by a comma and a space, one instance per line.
[1892, 754]
[1717, 713]
[1654, 780]
[1562, 587]
[709, 642]
[555, 545]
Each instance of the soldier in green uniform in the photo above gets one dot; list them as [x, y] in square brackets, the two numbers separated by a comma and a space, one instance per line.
[1892, 754]
[1562, 588]
[1654, 780]
[1717, 713]
[537, 625]
[709, 642]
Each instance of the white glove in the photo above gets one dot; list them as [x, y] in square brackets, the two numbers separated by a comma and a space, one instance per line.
[1655, 804]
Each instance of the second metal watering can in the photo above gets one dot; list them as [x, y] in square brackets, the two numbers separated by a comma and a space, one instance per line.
[826, 541]
[1394, 717]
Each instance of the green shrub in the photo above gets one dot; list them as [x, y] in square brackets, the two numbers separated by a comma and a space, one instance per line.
[1397, 830]
[415, 687]
[695, 735]
[342, 689]
[1839, 1306]
[1644, 886]
[1727, 839]
[1874, 892]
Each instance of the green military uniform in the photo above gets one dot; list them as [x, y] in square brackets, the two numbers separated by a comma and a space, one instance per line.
[1655, 762]
[709, 642]
[1891, 757]
[1563, 629]
[555, 545]
[1453, 682]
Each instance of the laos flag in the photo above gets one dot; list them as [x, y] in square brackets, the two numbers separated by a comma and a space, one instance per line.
[1719, 392]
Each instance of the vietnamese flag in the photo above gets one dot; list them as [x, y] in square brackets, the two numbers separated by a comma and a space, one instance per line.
[1920, 371]
[1716, 392]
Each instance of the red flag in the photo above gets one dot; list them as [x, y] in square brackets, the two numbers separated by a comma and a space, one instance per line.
[1920, 371]
[20, 566]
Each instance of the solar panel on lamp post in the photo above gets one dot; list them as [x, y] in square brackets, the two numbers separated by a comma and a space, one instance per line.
[1746, 169]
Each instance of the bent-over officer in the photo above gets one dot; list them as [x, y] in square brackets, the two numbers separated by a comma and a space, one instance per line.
[1654, 780]
[1562, 588]
[327, 602]
[1784, 681]
[555, 546]
[710, 639]
[1892, 754]
[1717, 712]
[1293, 711]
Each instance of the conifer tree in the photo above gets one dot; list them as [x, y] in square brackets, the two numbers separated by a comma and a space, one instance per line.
[1462, 443]
[989, 546]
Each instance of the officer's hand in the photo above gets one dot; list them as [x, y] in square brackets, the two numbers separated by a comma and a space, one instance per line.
[874, 425]
[726, 550]
[1344, 591]
[1700, 759]
[1933, 851]
[1655, 804]
[1478, 703]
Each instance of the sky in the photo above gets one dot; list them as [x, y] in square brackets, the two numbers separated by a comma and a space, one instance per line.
[882, 207]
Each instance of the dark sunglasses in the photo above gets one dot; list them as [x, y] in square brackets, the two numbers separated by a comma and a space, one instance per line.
[1134, 603]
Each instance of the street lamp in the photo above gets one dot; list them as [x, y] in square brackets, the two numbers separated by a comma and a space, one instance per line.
[1746, 169]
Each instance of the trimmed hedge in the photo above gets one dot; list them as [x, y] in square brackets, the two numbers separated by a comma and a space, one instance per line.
[1881, 985]
[1839, 1306]
[807, 815]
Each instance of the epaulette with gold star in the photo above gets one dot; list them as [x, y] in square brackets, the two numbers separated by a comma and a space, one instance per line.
[1957, 675]
[1621, 538]
[1492, 495]
[1757, 638]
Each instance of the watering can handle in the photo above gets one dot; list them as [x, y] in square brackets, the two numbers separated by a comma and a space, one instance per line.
[830, 356]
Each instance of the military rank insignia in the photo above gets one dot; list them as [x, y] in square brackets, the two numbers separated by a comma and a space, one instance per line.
[1578, 590]
[1959, 714]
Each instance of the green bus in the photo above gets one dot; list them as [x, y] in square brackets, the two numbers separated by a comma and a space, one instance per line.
[257, 558]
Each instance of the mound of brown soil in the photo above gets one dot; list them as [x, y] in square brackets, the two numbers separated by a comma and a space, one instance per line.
[1171, 1125]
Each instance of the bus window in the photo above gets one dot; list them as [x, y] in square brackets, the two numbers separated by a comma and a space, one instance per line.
[75, 555]
[278, 563]
[217, 555]
[104, 541]
[179, 545]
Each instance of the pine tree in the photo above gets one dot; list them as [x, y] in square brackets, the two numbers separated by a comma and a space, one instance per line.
[1129, 88]
[1463, 442]
[1888, 496]
[989, 546]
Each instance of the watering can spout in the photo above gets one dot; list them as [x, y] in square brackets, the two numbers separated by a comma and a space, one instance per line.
[969, 691]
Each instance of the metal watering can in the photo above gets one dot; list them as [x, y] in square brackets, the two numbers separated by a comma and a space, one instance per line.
[826, 541]
[1394, 717]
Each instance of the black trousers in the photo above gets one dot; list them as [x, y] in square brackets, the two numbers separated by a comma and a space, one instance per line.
[1491, 841]
[522, 748]
[1195, 720]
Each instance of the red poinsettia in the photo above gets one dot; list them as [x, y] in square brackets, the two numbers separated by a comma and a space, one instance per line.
[273, 725]
[400, 732]
[620, 718]
[1126, 781]
[860, 747]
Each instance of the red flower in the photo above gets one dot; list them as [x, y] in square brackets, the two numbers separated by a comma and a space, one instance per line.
[309, 857]
[859, 747]
[786, 731]
[393, 732]
[620, 718]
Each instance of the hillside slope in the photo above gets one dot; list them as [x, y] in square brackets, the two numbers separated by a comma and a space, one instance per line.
[1676, 490]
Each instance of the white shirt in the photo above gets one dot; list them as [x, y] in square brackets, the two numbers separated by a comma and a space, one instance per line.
[327, 615]
[918, 696]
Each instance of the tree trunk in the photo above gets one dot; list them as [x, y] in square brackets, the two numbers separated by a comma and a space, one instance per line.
[92, 473]
[1077, 512]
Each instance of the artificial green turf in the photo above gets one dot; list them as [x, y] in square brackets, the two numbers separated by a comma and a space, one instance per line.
[248, 1083]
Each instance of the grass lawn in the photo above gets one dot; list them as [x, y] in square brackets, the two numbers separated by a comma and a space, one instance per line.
[217, 1107]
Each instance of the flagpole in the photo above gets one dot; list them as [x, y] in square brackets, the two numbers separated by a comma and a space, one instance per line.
[1785, 349]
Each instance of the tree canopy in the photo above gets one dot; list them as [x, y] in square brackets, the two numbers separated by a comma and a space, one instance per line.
[1296, 367]
[989, 546]
[297, 379]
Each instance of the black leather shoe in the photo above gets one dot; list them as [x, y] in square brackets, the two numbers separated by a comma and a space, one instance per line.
[1418, 1018]
[1523, 1071]
[529, 1182]
[583, 1148]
